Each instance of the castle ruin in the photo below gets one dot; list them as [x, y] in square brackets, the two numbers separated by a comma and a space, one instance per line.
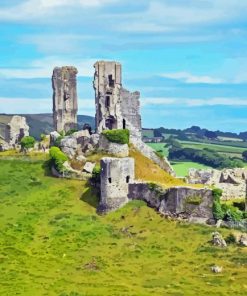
[13, 129]
[116, 174]
[65, 104]
[116, 107]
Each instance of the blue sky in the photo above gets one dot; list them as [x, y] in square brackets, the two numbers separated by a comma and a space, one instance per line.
[188, 58]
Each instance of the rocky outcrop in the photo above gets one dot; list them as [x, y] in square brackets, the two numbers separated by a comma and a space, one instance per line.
[231, 181]
[217, 269]
[243, 240]
[88, 167]
[217, 240]
[53, 137]
[69, 146]
[120, 150]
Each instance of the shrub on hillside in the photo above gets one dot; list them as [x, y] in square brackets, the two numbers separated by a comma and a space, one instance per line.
[218, 212]
[27, 142]
[57, 158]
[120, 136]
[42, 137]
[224, 211]
[71, 132]
[96, 174]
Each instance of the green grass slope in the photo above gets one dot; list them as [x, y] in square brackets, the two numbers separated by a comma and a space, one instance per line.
[52, 242]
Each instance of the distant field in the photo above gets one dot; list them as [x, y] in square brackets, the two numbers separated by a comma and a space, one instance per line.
[229, 139]
[182, 168]
[159, 146]
[148, 133]
[218, 148]
[54, 243]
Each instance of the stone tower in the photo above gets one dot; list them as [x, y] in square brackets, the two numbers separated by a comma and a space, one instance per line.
[116, 107]
[116, 174]
[65, 104]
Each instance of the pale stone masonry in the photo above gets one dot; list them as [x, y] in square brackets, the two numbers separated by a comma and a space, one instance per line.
[116, 174]
[65, 105]
[231, 181]
[116, 107]
[13, 128]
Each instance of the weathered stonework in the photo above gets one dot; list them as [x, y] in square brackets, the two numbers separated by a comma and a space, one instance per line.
[65, 104]
[116, 174]
[13, 129]
[119, 150]
[231, 181]
[191, 203]
[116, 107]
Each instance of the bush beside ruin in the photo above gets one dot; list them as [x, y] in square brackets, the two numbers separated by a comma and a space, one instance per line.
[120, 136]
[57, 158]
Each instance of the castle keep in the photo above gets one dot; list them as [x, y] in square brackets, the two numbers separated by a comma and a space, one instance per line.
[116, 174]
[65, 104]
[116, 107]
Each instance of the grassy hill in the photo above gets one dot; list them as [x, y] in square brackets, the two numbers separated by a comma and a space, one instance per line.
[53, 243]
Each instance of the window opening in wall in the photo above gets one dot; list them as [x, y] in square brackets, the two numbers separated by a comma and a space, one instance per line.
[107, 102]
[111, 81]
[124, 124]
[109, 179]
[127, 179]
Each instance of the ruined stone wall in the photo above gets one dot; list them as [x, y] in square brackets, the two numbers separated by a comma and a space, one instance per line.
[116, 107]
[65, 104]
[130, 109]
[116, 174]
[231, 181]
[13, 130]
[194, 204]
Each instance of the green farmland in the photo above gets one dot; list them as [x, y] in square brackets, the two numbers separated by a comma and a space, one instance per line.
[219, 148]
[54, 243]
[182, 168]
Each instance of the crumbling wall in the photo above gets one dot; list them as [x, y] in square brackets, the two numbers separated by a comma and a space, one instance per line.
[116, 107]
[188, 202]
[130, 109]
[231, 181]
[65, 104]
[14, 129]
[116, 174]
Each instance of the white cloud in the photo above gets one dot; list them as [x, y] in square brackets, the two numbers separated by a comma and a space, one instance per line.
[42, 105]
[190, 78]
[43, 68]
[59, 43]
[30, 10]
[194, 102]
[217, 101]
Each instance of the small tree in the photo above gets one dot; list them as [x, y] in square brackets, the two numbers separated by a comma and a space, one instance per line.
[27, 142]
